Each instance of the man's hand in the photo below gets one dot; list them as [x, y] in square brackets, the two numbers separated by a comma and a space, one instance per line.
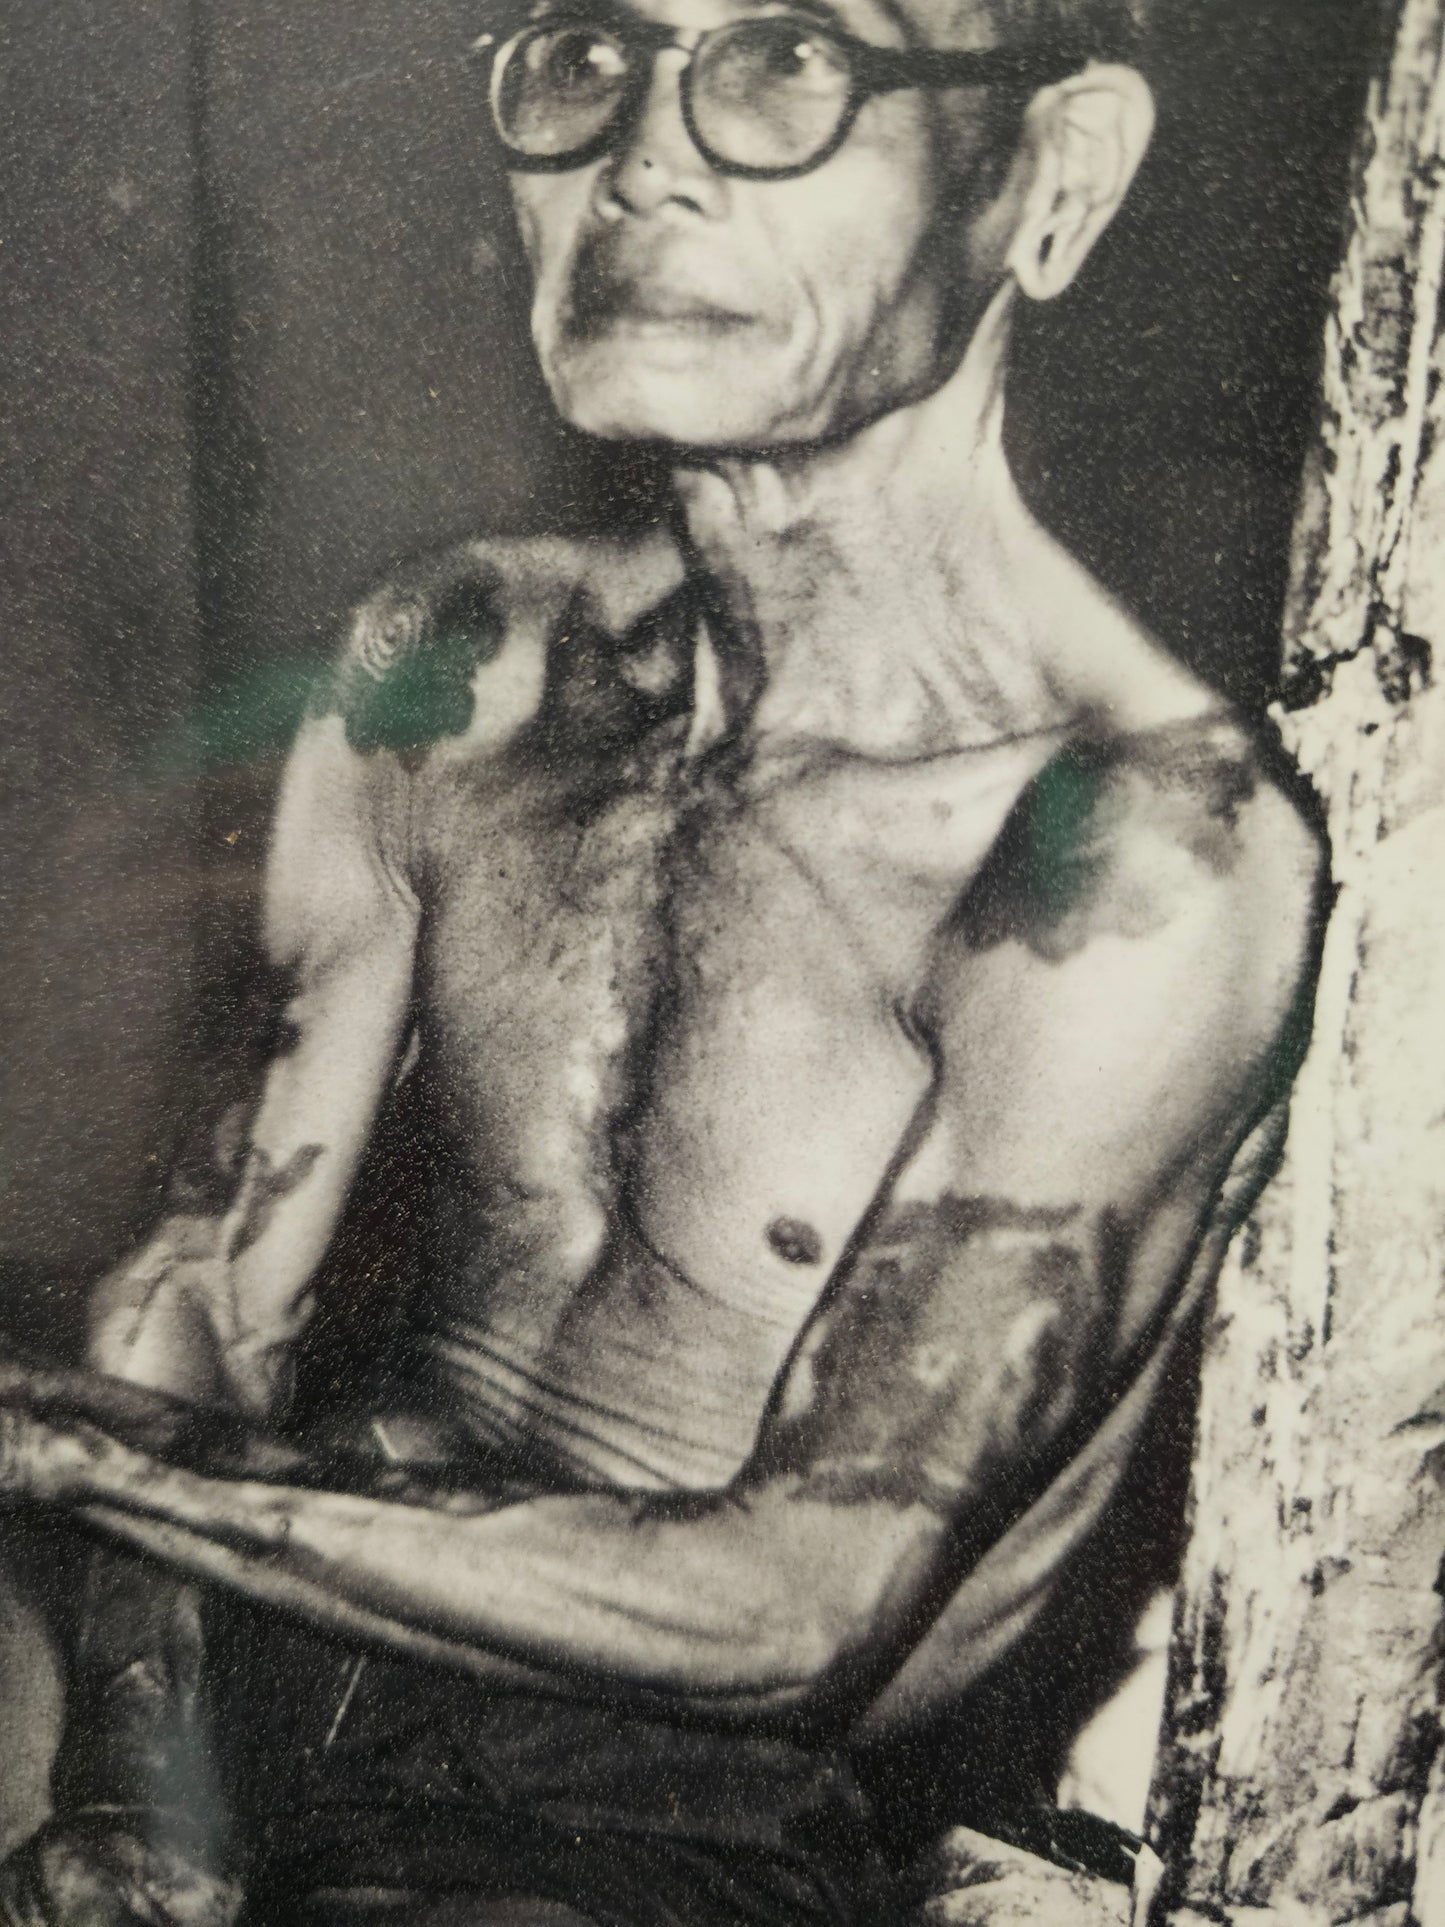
[150, 1420]
[94, 1871]
[46, 1463]
[59, 1427]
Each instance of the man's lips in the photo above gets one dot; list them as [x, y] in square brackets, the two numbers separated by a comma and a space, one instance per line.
[643, 303]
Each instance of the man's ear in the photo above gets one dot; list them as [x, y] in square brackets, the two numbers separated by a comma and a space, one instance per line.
[1086, 137]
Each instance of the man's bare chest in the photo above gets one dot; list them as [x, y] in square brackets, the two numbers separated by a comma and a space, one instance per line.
[668, 1005]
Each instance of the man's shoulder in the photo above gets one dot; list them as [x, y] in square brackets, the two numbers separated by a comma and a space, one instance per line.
[1121, 830]
[472, 628]
[1182, 863]
[1128, 981]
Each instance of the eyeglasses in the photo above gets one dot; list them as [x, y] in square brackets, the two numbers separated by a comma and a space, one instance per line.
[766, 96]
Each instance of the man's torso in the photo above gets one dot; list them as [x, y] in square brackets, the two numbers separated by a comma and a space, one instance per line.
[671, 1008]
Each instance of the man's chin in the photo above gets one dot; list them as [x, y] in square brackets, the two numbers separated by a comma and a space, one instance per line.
[703, 395]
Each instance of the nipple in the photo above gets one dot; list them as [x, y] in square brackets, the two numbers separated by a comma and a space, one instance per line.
[796, 1243]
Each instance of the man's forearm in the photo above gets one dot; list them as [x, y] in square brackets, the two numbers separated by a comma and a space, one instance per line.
[274, 1585]
[717, 1601]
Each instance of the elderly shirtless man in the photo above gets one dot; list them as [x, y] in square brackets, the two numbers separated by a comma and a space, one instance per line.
[846, 956]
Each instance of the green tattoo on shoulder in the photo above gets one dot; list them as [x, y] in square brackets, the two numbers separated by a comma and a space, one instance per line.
[1110, 837]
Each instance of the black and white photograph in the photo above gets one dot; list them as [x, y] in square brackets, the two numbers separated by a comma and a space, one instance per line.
[722, 911]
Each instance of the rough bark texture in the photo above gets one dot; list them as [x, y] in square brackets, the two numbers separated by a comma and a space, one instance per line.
[974, 1881]
[1302, 1773]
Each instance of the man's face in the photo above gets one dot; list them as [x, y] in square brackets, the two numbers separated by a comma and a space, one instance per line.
[676, 303]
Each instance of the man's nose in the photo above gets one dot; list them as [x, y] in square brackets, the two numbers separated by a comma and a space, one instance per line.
[658, 162]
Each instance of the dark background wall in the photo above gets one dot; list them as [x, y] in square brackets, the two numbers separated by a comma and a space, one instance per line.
[97, 602]
[262, 332]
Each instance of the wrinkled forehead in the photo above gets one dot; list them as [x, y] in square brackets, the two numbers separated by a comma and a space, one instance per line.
[1095, 24]
[950, 23]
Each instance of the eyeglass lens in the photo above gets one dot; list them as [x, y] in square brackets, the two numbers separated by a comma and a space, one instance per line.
[764, 93]
[556, 89]
[769, 93]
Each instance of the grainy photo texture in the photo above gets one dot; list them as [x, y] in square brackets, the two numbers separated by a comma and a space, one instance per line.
[723, 802]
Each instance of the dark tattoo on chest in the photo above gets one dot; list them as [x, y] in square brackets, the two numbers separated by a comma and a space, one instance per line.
[263, 1188]
[957, 1347]
[606, 695]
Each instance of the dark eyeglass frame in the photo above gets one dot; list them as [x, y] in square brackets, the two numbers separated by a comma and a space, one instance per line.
[873, 70]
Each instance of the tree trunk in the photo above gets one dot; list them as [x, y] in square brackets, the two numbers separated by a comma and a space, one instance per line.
[1302, 1775]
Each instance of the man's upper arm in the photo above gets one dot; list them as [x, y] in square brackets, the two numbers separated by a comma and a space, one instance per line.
[1104, 1035]
[210, 1304]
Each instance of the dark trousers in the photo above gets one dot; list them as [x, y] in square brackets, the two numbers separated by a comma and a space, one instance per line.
[362, 1772]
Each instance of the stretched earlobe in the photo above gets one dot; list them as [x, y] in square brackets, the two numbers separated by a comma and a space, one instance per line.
[1088, 135]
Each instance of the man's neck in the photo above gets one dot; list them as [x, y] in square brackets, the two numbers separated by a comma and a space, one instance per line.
[869, 584]
[890, 594]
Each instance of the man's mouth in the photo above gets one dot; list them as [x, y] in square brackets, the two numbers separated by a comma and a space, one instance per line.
[644, 306]
[608, 299]
[668, 307]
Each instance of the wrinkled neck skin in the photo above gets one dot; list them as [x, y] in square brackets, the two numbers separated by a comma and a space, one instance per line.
[890, 595]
